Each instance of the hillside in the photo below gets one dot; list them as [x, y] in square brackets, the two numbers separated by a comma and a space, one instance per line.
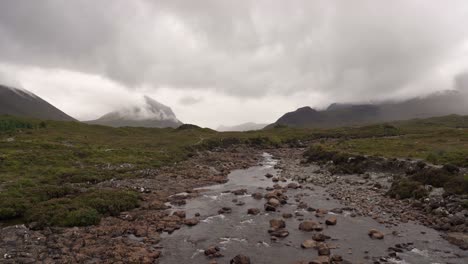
[20, 102]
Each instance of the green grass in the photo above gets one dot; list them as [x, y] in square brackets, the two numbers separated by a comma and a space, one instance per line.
[51, 166]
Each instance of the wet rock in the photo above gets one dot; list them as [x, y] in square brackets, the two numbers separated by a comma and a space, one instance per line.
[323, 250]
[239, 192]
[274, 202]
[321, 260]
[319, 237]
[269, 208]
[307, 226]
[225, 210]
[287, 215]
[191, 221]
[277, 223]
[279, 232]
[257, 196]
[309, 243]
[269, 175]
[180, 214]
[336, 258]
[240, 259]
[275, 179]
[331, 221]
[213, 252]
[458, 239]
[375, 234]
[253, 211]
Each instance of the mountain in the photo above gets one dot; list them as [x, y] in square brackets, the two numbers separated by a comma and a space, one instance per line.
[150, 114]
[337, 114]
[20, 102]
[242, 127]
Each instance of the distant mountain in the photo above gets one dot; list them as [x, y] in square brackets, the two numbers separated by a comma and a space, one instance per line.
[150, 114]
[242, 127]
[20, 102]
[437, 104]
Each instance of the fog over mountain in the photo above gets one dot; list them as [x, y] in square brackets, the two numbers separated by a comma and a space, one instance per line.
[339, 114]
[149, 113]
[244, 61]
[242, 127]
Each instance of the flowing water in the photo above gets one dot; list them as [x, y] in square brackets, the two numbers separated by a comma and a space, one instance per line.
[240, 233]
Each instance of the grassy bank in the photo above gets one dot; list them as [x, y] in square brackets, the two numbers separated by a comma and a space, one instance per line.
[48, 169]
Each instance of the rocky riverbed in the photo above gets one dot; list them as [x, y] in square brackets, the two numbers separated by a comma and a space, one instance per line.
[246, 206]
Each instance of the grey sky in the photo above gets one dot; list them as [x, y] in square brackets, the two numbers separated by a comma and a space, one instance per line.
[238, 59]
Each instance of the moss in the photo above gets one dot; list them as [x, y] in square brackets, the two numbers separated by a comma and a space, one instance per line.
[405, 188]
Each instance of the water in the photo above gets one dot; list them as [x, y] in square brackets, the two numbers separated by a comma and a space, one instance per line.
[240, 233]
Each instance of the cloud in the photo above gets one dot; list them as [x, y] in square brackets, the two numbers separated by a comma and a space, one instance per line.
[246, 48]
[254, 49]
[190, 100]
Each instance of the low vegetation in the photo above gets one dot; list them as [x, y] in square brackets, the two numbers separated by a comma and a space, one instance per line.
[49, 169]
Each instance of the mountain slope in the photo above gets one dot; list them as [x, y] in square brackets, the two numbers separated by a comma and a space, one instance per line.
[150, 114]
[437, 104]
[19, 102]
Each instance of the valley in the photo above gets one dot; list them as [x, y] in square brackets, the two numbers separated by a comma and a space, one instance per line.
[73, 192]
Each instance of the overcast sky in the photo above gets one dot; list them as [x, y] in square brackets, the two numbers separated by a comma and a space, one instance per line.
[228, 62]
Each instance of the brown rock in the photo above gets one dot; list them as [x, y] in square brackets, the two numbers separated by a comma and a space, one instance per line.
[307, 226]
[293, 185]
[279, 232]
[239, 192]
[309, 243]
[269, 175]
[375, 234]
[257, 196]
[240, 259]
[191, 221]
[331, 221]
[180, 214]
[277, 223]
[321, 260]
[287, 215]
[323, 250]
[253, 211]
[320, 237]
[213, 252]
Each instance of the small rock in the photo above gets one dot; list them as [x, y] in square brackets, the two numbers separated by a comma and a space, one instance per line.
[323, 250]
[240, 259]
[180, 214]
[331, 221]
[257, 196]
[309, 243]
[191, 221]
[225, 210]
[307, 226]
[375, 234]
[253, 211]
[320, 237]
[277, 223]
[287, 215]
